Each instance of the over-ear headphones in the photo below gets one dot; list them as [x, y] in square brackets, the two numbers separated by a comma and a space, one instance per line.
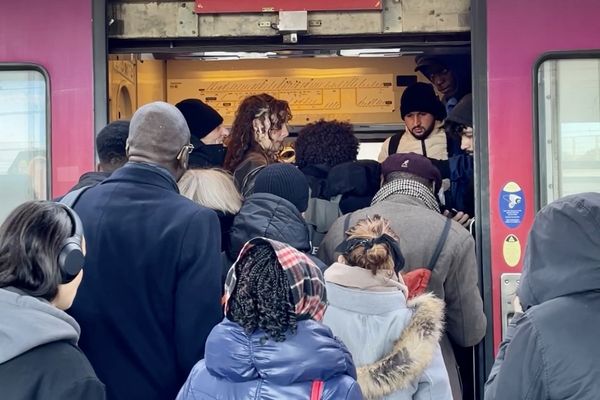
[71, 258]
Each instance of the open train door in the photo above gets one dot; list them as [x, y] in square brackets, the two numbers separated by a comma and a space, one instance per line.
[537, 123]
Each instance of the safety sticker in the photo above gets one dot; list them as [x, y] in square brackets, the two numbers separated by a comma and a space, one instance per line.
[511, 250]
[512, 205]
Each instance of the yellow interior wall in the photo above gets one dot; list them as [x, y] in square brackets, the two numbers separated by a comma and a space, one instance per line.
[359, 90]
[151, 81]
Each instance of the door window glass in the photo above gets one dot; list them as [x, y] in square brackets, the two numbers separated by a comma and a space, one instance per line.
[569, 126]
[24, 163]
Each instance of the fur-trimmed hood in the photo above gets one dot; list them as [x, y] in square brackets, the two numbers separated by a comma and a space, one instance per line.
[412, 352]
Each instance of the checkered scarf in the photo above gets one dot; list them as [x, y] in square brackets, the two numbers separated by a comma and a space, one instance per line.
[304, 277]
[408, 187]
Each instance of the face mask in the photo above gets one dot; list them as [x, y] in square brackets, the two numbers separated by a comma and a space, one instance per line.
[208, 155]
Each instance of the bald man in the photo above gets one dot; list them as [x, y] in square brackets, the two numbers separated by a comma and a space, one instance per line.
[152, 286]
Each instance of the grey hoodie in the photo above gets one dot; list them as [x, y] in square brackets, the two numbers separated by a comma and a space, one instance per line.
[27, 322]
[551, 351]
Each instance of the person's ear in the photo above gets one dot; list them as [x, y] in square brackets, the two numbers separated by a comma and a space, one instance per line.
[342, 260]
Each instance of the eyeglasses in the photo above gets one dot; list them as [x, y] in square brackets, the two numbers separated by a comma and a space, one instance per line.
[187, 148]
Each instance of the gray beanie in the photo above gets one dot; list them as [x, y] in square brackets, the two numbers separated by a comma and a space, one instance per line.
[157, 132]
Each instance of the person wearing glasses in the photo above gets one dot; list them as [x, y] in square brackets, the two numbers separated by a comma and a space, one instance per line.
[153, 268]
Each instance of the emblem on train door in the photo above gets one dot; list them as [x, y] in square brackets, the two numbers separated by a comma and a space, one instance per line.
[511, 250]
[512, 205]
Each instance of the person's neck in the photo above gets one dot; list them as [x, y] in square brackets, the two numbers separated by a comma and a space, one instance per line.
[175, 174]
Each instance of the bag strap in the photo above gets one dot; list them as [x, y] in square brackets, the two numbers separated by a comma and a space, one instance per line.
[347, 223]
[440, 244]
[316, 390]
[394, 143]
[71, 198]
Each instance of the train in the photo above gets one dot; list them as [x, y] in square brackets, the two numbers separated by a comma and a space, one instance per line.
[69, 67]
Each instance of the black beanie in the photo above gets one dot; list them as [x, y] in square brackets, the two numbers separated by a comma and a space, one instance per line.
[462, 113]
[420, 97]
[201, 118]
[285, 181]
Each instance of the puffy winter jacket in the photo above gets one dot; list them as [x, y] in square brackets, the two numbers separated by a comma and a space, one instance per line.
[270, 216]
[241, 366]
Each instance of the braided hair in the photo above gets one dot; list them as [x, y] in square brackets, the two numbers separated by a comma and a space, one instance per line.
[262, 298]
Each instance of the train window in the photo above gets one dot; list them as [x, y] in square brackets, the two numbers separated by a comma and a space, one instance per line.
[568, 102]
[24, 163]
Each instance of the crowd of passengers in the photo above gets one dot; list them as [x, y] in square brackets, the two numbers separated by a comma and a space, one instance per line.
[186, 269]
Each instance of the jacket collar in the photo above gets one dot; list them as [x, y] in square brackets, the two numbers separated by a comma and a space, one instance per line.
[412, 352]
[362, 301]
[145, 173]
[236, 356]
[405, 199]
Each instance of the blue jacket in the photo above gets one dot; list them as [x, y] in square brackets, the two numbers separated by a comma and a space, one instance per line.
[152, 284]
[241, 366]
[551, 351]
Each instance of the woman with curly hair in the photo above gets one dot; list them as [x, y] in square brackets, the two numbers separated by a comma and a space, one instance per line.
[368, 304]
[271, 344]
[257, 135]
[326, 153]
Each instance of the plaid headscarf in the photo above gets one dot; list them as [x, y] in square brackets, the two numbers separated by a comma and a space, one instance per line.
[304, 277]
[408, 187]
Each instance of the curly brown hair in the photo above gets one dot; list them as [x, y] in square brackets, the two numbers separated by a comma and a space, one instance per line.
[326, 142]
[241, 138]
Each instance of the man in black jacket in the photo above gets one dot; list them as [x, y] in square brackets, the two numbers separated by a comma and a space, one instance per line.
[152, 289]
[110, 145]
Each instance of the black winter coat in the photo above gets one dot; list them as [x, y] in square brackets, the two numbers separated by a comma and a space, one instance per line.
[267, 215]
[152, 286]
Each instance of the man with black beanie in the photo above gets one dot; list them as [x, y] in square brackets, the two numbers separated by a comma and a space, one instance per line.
[208, 133]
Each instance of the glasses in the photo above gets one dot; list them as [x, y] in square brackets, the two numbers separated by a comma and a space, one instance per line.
[187, 148]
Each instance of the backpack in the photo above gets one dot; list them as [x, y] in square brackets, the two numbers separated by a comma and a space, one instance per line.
[417, 280]
[319, 216]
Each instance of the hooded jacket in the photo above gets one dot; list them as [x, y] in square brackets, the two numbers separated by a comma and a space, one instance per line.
[356, 181]
[403, 360]
[453, 279]
[241, 366]
[551, 351]
[39, 357]
[270, 216]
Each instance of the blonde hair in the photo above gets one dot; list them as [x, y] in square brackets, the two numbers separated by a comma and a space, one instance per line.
[378, 257]
[212, 188]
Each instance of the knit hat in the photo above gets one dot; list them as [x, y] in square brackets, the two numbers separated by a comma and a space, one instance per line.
[420, 97]
[201, 118]
[305, 279]
[157, 132]
[285, 181]
[412, 163]
[462, 113]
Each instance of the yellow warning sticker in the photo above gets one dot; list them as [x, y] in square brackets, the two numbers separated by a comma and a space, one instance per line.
[511, 250]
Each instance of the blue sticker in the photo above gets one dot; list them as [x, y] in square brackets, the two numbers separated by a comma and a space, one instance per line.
[512, 205]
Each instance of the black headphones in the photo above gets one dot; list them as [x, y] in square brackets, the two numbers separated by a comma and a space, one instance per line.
[71, 258]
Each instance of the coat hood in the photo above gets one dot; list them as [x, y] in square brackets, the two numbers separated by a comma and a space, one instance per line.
[27, 322]
[266, 215]
[312, 353]
[412, 352]
[563, 250]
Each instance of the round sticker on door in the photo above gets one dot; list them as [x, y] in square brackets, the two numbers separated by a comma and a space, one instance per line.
[511, 250]
[512, 205]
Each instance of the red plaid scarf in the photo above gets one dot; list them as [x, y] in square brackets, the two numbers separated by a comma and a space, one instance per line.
[304, 277]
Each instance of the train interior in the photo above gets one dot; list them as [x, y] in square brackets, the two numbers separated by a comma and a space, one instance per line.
[359, 85]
